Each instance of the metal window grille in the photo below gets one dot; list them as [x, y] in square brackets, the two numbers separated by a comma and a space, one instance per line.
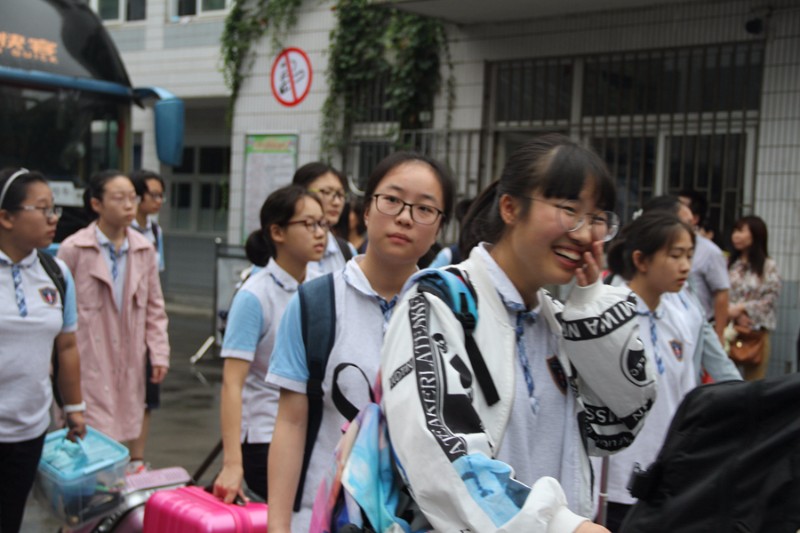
[664, 120]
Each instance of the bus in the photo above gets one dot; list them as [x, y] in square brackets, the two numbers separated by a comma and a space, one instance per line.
[66, 100]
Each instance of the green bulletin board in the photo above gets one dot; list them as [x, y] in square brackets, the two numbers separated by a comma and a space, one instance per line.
[270, 160]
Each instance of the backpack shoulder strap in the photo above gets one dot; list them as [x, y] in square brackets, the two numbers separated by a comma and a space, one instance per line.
[344, 246]
[318, 322]
[54, 271]
[454, 288]
[57, 275]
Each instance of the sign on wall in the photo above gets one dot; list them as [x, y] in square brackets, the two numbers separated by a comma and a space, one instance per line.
[269, 163]
[291, 76]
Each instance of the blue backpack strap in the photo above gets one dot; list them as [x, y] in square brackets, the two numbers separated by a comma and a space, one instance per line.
[453, 287]
[318, 319]
[54, 271]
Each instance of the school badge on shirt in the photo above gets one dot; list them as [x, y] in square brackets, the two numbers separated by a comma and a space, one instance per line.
[677, 349]
[49, 295]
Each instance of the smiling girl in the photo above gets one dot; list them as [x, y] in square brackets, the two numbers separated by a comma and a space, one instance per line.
[409, 199]
[293, 229]
[513, 457]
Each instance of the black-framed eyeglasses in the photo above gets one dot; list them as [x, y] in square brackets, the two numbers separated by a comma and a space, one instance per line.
[603, 224]
[311, 225]
[48, 212]
[329, 194]
[156, 195]
[420, 213]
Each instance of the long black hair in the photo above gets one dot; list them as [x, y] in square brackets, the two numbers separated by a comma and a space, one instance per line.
[278, 208]
[551, 164]
[649, 233]
[757, 253]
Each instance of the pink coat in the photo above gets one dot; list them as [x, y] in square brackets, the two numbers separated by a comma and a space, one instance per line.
[113, 345]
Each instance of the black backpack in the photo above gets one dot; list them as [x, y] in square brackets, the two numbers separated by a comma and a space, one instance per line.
[54, 272]
[730, 463]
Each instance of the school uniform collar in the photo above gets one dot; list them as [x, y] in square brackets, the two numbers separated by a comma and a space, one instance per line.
[355, 278]
[282, 279]
[104, 241]
[332, 246]
[148, 225]
[87, 238]
[26, 262]
[643, 310]
[508, 293]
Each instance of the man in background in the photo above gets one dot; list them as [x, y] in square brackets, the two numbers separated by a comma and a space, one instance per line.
[709, 275]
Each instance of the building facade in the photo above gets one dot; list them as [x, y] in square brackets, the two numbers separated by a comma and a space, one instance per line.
[673, 94]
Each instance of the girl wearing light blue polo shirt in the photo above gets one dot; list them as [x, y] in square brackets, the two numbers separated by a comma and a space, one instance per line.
[32, 318]
[292, 233]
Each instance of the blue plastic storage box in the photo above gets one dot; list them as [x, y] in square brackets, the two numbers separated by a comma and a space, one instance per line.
[80, 481]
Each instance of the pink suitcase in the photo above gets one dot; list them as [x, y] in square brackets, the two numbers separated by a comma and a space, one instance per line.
[193, 510]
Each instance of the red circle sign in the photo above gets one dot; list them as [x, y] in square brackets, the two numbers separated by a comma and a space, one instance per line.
[291, 76]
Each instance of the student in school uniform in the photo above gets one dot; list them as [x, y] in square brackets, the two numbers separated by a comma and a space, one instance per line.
[654, 255]
[121, 316]
[292, 234]
[331, 186]
[150, 189]
[33, 318]
[409, 197]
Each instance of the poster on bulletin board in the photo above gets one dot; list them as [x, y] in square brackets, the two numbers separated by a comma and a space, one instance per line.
[270, 160]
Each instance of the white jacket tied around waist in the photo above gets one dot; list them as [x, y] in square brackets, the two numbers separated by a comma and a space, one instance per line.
[446, 435]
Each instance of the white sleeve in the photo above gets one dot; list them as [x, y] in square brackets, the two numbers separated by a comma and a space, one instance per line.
[443, 453]
[613, 379]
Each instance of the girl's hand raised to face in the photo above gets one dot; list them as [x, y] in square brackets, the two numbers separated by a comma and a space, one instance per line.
[590, 271]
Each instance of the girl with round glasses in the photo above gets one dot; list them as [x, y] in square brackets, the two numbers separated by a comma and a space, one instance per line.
[500, 439]
[121, 316]
[33, 318]
[411, 198]
[330, 186]
[292, 232]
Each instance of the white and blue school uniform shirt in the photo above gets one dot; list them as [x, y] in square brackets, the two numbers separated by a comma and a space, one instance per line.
[117, 263]
[540, 418]
[332, 258]
[362, 316]
[250, 334]
[32, 315]
[149, 231]
[670, 339]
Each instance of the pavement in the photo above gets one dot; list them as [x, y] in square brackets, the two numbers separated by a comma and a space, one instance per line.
[186, 427]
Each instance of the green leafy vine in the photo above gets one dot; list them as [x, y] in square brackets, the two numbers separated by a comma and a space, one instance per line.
[373, 42]
[246, 23]
[369, 43]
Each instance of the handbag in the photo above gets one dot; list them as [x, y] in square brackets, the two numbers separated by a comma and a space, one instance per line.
[748, 346]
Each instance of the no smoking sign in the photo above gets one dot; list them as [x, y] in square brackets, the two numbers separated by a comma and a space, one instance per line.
[291, 76]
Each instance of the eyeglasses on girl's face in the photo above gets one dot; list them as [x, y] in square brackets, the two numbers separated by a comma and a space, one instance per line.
[48, 211]
[311, 225]
[420, 213]
[330, 194]
[122, 198]
[603, 224]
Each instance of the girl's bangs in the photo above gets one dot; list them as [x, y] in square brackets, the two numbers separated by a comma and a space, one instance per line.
[571, 169]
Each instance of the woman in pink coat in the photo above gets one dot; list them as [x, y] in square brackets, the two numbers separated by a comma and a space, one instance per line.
[120, 308]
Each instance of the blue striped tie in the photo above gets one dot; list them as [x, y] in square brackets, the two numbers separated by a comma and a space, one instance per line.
[16, 275]
[114, 258]
[522, 317]
[654, 338]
